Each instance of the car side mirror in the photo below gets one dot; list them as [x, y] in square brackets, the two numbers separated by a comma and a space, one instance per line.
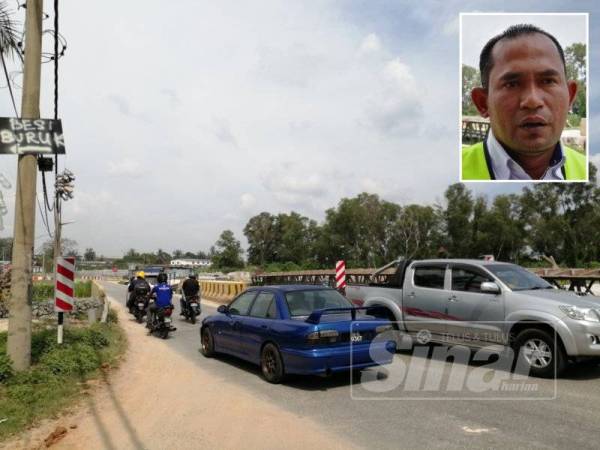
[223, 309]
[489, 287]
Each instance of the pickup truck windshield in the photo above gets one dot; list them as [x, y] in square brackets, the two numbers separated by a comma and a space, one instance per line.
[517, 278]
[303, 303]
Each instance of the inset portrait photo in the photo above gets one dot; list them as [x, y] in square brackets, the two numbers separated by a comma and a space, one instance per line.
[524, 97]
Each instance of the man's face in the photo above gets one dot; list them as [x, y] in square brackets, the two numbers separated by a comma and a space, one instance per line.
[528, 96]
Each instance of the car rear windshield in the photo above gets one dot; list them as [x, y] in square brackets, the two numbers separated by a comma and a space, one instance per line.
[518, 278]
[303, 303]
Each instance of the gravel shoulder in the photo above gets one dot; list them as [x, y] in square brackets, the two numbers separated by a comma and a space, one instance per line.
[158, 399]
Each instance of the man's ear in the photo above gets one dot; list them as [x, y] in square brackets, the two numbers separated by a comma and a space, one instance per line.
[479, 96]
[572, 87]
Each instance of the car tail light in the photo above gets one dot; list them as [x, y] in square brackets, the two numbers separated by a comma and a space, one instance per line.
[323, 337]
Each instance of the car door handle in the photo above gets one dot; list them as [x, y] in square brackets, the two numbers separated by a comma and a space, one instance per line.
[264, 327]
[453, 298]
[411, 295]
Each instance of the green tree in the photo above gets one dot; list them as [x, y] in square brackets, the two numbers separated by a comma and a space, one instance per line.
[359, 231]
[89, 254]
[294, 240]
[6, 248]
[470, 80]
[417, 232]
[575, 58]
[563, 220]
[260, 231]
[457, 221]
[227, 251]
[162, 257]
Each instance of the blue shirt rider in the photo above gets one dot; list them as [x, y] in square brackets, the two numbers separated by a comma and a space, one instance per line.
[163, 293]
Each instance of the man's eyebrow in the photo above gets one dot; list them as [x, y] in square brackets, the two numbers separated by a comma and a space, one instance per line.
[550, 73]
[508, 76]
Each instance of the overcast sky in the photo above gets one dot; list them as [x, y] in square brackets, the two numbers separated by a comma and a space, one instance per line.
[185, 118]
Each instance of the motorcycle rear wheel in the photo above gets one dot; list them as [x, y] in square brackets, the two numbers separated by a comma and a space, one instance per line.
[164, 333]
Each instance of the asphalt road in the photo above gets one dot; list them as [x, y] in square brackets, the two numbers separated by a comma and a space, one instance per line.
[381, 414]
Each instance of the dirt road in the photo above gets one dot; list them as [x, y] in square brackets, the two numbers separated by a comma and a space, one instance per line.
[161, 400]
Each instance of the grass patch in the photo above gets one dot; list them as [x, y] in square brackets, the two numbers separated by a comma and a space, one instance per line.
[58, 373]
[43, 291]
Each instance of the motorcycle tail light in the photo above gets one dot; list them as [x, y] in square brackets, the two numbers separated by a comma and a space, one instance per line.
[168, 312]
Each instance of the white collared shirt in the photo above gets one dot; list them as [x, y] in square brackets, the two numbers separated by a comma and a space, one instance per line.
[506, 168]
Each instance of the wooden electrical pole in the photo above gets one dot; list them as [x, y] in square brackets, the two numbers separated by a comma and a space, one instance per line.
[19, 323]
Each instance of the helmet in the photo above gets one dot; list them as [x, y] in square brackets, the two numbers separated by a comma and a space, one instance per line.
[141, 274]
[192, 275]
[162, 277]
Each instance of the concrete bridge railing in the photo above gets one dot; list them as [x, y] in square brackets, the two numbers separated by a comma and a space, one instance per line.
[221, 291]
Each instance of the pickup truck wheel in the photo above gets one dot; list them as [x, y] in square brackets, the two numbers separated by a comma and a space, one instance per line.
[540, 352]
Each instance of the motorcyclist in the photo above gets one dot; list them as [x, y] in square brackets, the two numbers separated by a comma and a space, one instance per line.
[190, 289]
[138, 286]
[163, 294]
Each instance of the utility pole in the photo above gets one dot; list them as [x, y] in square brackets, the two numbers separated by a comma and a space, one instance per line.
[19, 323]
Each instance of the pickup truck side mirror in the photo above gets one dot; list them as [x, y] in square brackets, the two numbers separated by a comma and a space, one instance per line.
[489, 287]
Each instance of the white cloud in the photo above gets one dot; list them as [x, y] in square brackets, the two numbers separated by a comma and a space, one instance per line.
[248, 201]
[370, 44]
[450, 28]
[291, 106]
[396, 107]
[126, 168]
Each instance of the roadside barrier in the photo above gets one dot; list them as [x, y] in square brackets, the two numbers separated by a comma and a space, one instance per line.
[221, 291]
[99, 294]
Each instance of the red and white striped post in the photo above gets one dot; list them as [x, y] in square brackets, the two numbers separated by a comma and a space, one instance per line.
[340, 276]
[63, 289]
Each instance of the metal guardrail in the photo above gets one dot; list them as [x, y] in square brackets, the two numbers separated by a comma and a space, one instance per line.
[578, 280]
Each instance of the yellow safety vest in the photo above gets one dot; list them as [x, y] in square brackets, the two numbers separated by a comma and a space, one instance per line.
[476, 164]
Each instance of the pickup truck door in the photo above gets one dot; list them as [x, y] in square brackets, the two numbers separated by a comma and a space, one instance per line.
[425, 297]
[477, 316]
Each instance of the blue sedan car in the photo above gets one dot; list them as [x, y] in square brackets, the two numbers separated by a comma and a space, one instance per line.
[299, 329]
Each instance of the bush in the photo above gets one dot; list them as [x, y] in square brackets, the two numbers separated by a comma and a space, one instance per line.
[83, 289]
[57, 373]
[73, 359]
[6, 370]
[43, 291]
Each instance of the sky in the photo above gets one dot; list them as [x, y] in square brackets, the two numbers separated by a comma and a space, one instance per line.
[183, 119]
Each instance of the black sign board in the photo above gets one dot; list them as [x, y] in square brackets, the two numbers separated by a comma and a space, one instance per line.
[18, 136]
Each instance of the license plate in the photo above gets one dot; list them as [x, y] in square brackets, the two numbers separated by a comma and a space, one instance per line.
[194, 305]
[355, 337]
[167, 320]
[141, 305]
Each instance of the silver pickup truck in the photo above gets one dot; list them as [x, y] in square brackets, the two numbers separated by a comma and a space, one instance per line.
[488, 304]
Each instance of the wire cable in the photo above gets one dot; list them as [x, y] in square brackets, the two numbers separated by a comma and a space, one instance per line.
[12, 96]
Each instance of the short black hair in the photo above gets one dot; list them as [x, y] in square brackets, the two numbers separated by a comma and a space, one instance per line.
[485, 59]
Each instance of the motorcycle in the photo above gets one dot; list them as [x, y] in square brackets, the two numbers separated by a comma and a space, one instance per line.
[161, 322]
[191, 307]
[140, 305]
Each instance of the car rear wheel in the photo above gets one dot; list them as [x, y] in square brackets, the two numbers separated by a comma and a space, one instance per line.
[207, 344]
[540, 353]
[271, 364]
